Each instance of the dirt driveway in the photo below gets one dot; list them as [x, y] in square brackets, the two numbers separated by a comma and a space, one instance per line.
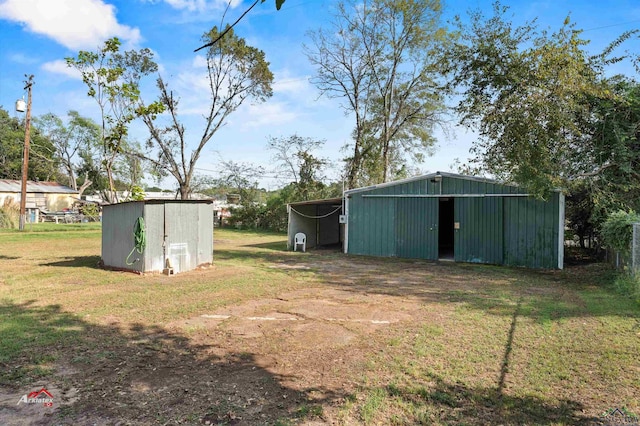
[296, 357]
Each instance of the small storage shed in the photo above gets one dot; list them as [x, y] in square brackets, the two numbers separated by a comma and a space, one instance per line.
[447, 216]
[319, 220]
[178, 235]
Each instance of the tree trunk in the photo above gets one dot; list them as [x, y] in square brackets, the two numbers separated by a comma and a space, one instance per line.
[354, 167]
[87, 183]
[185, 191]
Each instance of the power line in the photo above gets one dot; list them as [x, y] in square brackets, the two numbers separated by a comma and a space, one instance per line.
[610, 26]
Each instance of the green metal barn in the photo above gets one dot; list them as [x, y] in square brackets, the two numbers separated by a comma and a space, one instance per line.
[440, 216]
[453, 217]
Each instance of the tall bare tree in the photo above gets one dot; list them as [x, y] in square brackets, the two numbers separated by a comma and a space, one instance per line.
[235, 72]
[384, 58]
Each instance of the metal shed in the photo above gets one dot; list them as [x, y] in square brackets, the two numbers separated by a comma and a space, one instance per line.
[445, 216]
[319, 220]
[178, 234]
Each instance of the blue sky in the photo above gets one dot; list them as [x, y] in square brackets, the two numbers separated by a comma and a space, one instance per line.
[36, 36]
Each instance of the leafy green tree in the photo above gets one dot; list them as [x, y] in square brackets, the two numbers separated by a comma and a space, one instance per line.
[43, 164]
[534, 96]
[384, 58]
[236, 72]
[68, 139]
[113, 79]
[609, 157]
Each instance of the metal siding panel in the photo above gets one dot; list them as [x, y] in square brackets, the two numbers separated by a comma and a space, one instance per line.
[370, 220]
[205, 234]
[154, 224]
[181, 227]
[416, 235]
[530, 237]
[480, 237]
[356, 225]
[305, 225]
[118, 221]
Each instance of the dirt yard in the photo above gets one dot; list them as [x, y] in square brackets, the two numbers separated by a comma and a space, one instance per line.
[327, 339]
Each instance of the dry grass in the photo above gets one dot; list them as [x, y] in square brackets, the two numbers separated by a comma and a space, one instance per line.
[462, 344]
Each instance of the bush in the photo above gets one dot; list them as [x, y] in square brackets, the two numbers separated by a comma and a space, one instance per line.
[9, 214]
[617, 231]
[91, 211]
[628, 285]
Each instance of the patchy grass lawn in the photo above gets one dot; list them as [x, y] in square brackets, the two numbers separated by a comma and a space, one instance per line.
[267, 336]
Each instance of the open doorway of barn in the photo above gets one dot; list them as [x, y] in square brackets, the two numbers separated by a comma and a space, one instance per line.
[445, 229]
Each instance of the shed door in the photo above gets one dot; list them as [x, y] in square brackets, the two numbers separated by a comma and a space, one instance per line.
[417, 228]
[479, 234]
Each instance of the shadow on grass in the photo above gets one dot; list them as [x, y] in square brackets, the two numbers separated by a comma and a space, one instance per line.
[76, 262]
[447, 403]
[275, 245]
[135, 375]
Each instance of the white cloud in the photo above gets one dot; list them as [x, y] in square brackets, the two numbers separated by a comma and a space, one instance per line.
[291, 85]
[271, 113]
[201, 5]
[60, 67]
[75, 24]
[200, 61]
[21, 58]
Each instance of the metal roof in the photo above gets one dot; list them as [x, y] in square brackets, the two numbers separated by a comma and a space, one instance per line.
[158, 201]
[8, 185]
[421, 177]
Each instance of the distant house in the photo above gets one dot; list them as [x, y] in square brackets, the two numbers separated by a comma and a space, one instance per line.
[41, 196]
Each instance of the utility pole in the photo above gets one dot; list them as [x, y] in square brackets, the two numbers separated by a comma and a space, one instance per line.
[25, 155]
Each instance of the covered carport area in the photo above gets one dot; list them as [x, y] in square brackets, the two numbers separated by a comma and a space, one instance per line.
[319, 220]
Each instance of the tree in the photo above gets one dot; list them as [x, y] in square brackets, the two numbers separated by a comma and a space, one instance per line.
[11, 151]
[298, 166]
[609, 157]
[235, 72]
[384, 58]
[212, 42]
[240, 179]
[80, 133]
[113, 79]
[534, 97]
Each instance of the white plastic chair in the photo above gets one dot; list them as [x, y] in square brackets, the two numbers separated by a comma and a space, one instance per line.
[300, 238]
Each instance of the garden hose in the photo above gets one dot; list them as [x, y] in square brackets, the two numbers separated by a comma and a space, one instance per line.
[139, 239]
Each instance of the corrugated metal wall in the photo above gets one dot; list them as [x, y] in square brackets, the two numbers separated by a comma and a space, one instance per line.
[531, 232]
[479, 238]
[154, 251]
[118, 221]
[417, 235]
[299, 223]
[512, 230]
[319, 222]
